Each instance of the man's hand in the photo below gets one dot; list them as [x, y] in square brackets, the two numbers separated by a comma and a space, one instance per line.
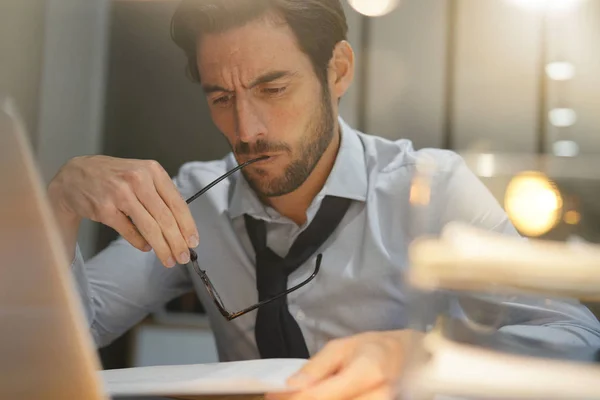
[361, 367]
[117, 192]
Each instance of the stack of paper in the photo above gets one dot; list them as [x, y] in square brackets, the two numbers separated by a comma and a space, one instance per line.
[229, 378]
[454, 369]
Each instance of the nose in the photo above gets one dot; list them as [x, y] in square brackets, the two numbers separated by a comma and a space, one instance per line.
[250, 125]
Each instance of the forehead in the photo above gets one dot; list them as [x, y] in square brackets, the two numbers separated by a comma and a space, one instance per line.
[249, 51]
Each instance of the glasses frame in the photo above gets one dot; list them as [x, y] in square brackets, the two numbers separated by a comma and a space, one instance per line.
[221, 306]
[206, 280]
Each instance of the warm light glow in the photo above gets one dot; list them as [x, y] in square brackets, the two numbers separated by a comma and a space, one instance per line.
[554, 5]
[533, 203]
[374, 8]
[560, 71]
[572, 217]
[565, 148]
[563, 117]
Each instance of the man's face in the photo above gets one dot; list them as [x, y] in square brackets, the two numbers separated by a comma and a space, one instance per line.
[265, 97]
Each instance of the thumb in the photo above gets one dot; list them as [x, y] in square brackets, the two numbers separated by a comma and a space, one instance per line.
[324, 364]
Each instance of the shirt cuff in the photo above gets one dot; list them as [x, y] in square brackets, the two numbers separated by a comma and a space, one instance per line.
[81, 283]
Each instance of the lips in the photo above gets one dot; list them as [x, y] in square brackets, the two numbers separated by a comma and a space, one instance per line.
[262, 159]
[267, 160]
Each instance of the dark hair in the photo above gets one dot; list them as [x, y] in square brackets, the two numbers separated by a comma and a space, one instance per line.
[317, 24]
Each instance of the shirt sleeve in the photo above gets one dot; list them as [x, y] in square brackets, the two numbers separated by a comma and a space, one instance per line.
[463, 197]
[121, 285]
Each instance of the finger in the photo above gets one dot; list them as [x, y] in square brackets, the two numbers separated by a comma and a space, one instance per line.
[168, 192]
[325, 363]
[150, 230]
[360, 376]
[382, 392]
[155, 205]
[120, 223]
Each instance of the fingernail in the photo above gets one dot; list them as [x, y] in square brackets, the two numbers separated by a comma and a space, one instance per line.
[194, 241]
[299, 380]
[147, 248]
[170, 262]
[184, 258]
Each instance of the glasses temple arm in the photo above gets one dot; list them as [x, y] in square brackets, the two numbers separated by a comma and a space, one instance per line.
[290, 290]
[219, 179]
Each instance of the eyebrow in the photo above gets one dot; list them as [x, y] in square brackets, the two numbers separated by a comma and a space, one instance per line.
[266, 78]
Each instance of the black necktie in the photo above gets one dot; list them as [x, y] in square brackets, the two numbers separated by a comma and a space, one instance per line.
[277, 332]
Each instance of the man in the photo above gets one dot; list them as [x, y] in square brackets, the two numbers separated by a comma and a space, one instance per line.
[273, 72]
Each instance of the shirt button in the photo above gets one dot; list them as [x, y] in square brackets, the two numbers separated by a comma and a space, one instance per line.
[300, 316]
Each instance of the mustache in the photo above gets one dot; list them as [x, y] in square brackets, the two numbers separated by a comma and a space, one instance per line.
[260, 147]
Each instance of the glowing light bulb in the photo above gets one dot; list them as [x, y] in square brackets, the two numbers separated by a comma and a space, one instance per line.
[565, 148]
[533, 203]
[562, 117]
[374, 8]
[572, 217]
[560, 71]
[486, 166]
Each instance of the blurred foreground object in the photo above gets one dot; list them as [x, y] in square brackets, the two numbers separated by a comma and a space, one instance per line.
[467, 258]
[46, 351]
[491, 301]
[466, 352]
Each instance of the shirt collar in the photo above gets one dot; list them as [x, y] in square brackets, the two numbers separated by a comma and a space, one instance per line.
[348, 178]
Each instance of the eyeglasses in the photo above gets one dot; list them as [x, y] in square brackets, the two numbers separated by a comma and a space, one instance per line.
[206, 281]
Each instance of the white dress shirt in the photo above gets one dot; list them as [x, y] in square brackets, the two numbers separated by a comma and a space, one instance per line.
[360, 286]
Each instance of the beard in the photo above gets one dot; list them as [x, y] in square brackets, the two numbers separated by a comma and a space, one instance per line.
[307, 153]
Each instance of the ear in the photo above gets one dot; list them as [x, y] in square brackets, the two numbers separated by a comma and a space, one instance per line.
[341, 69]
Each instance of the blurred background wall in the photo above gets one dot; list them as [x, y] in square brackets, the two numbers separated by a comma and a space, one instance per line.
[102, 76]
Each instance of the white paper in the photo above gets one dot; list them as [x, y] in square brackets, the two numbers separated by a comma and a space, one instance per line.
[467, 371]
[241, 377]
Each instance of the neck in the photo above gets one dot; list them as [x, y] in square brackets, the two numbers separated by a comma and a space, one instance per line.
[294, 205]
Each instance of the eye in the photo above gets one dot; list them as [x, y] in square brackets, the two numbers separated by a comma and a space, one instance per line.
[223, 100]
[274, 91]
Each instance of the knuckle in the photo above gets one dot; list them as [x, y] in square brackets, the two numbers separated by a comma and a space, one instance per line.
[122, 194]
[167, 225]
[154, 231]
[131, 233]
[165, 218]
[176, 241]
[153, 166]
[135, 176]
[160, 248]
[78, 161]
[175, 201]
